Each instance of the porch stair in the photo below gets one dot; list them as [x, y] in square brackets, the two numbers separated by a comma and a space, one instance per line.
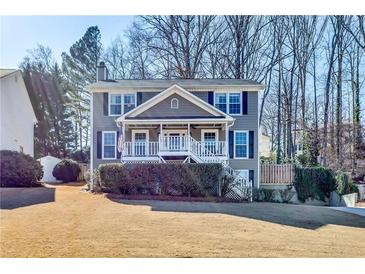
[242, 188]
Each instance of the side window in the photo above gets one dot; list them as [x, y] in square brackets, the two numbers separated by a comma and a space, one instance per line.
[241, 144]
[109, 144]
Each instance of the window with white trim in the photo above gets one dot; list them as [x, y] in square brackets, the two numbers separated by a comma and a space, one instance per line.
[109, 145]
[234, 103]
[228, 102]
[121, 103]
[115, 104]
[241, 144]
[174, 103]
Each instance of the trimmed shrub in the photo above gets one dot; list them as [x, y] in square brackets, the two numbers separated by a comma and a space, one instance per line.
[344, 184]
[192, 180]
[67, 170]
[314, 183]
[19, 170]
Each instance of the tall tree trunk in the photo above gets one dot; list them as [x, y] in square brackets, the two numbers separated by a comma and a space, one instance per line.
[326, 103]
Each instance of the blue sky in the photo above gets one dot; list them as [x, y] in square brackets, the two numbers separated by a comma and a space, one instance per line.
[20, 33]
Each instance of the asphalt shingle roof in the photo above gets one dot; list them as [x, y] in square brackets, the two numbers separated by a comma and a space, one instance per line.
[184, 83]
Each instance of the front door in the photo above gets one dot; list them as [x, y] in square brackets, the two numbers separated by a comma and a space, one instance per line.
[210, 138]
[140, 142]
[175, 140]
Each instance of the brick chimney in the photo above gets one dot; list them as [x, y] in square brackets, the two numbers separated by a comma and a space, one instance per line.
[101, 72]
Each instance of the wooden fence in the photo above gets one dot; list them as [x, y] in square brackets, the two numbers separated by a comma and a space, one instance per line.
[272, 174]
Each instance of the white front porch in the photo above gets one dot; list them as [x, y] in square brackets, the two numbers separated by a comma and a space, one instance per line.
[184, 141]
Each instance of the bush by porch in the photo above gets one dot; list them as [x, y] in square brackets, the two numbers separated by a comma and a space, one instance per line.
[190, 180]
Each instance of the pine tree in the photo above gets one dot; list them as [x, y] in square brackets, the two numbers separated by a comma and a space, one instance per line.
[79, 68]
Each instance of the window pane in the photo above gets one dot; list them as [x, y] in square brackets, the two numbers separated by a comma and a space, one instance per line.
[241, 151]
[109, 152]
[129, 102]
[221, 101]
[115, 99]
[234, 108]
[209, 136]
[241, 138]
[109, 139]
[115, 109]
[140, 137]
[234, 103]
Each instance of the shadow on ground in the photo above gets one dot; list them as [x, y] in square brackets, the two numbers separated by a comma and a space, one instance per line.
[11, 198]
[301, 216]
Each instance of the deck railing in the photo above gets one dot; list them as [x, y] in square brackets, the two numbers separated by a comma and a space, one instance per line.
[174, 144]
[140, 149]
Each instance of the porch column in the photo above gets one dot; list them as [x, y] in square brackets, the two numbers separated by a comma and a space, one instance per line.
[227, 141]
[160, 142]
[123, 142]
[188, 141]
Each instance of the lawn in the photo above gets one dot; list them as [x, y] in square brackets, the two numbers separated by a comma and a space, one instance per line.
[63, 221]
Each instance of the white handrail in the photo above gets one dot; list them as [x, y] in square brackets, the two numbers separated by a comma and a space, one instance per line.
[239, 182]
[140, 149]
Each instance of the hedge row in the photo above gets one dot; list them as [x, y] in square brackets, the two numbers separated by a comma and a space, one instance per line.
[318, 182]
[192, 180]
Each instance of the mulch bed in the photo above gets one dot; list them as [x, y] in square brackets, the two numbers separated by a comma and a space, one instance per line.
[114, 196]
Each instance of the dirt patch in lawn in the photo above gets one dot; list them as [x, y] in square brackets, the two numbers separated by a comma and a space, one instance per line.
[79, 224]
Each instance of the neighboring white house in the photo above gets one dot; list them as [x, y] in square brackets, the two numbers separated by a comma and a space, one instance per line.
[264, 146]
[16, 113]
[48, 163]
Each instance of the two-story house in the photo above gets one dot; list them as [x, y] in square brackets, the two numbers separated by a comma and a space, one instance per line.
[183, 120]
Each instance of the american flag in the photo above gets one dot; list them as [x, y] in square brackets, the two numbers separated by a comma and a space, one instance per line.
[120, 142]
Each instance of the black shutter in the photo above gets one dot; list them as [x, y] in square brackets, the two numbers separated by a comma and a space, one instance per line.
[251, 176]
[139, 98]
[244, 102]
[251, 141]
[118, 153]
[98, 145]
[211, 97]
[231, 143]
[106, 103]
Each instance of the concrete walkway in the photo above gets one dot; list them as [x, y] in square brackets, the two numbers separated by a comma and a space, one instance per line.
[354, 210]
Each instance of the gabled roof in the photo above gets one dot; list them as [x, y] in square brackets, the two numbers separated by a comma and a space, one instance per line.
[175, 89]
[159, 84]
[6, 72]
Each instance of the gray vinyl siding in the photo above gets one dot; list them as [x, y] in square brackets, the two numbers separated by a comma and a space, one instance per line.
[101, 123]
[243, 122]
[163, 109]
[107, 123]
[148, 95]
[248, 122]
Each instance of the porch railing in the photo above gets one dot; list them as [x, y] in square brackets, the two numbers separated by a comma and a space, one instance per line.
[175, 144]
[140, 149]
